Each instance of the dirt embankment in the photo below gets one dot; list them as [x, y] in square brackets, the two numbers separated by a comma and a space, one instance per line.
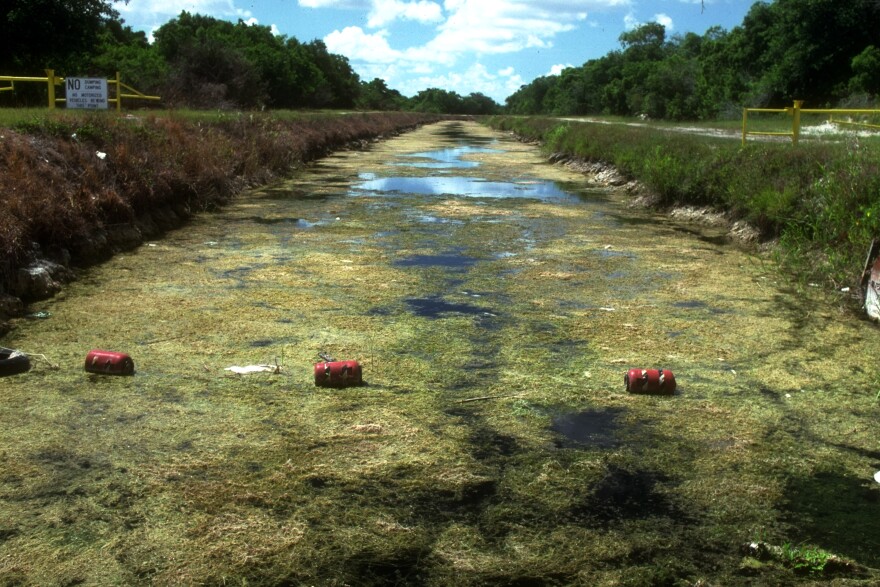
[76, 189]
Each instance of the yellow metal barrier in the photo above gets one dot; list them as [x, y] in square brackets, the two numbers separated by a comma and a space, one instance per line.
[51, 80]
[135, 95]
[796, 112]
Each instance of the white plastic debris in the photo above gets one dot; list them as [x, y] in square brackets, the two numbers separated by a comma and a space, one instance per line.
[246, 370]
[877, 476]
[100, 155]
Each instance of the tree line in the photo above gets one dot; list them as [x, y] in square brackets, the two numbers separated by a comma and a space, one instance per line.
[825, 52]
[198, 61]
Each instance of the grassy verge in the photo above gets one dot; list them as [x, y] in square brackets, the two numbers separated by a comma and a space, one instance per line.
[70, 180]
[821, 200]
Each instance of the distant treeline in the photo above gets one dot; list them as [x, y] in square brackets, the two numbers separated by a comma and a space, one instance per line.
[196, 61]
[825, 52]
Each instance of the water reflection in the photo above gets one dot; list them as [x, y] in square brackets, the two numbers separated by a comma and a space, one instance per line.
[464, 186]
[450, 158]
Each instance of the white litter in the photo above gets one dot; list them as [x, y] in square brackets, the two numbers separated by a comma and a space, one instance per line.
[254, 369]
[877, 476]
[100, 155]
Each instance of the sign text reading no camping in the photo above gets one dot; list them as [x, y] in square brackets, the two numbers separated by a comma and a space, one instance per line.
[86, 92]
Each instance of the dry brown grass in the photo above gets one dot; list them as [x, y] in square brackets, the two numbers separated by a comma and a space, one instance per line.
[65, 178]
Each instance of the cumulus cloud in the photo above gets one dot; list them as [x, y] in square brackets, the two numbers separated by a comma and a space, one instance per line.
[665, 20]
[355, 44]
[631, 22]
[335, 3]
[557, 69]
[462, 29]
[385, 12]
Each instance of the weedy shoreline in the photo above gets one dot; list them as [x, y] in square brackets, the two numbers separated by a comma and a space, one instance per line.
[817, 202]
[77, 188]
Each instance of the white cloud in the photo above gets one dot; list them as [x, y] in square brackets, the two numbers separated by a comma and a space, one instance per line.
[334, 3]
[357, 45]
[557, 69]
[385, 12]
[630, 21]
[463, 32]
[665, 20]
[465, 29]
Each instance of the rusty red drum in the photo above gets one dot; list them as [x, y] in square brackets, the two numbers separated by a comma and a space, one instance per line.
[338, 374]
[656, 381]
[109, 363]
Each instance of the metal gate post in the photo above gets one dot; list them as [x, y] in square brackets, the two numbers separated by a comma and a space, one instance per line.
[50, 78]
[796, 122]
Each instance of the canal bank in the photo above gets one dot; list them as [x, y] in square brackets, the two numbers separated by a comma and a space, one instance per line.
[79, 188]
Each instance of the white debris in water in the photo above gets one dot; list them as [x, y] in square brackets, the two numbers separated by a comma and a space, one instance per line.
[253, 369]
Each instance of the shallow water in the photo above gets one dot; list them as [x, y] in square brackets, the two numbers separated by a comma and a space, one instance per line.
[495, 302]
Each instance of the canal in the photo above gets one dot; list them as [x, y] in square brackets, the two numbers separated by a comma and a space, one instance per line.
[495, 303]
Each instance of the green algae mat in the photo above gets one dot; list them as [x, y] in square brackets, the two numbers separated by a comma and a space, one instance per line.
[495, 303]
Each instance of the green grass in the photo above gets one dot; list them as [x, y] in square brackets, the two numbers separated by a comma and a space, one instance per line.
[820, 201]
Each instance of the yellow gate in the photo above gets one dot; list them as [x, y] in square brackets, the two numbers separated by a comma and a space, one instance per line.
[51, 80]
[795, 111]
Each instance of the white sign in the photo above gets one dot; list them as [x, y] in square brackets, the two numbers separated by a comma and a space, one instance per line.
[86, 92]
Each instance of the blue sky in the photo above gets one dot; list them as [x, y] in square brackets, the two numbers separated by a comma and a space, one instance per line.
[487, 46]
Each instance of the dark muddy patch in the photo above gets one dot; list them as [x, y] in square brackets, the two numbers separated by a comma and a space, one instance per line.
[436, 307]
[624, 494]
[588, 429]
[452, 260]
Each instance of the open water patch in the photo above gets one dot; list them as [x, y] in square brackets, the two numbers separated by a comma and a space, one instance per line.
[450, 158]
[467, 187]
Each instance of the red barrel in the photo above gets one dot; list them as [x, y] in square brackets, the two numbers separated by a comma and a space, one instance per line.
[109, 363]
[657, 381]
[338, 374]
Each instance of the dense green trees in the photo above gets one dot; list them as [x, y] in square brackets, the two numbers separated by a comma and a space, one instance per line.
[196, 61]
[73, 26]
[821, 51]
